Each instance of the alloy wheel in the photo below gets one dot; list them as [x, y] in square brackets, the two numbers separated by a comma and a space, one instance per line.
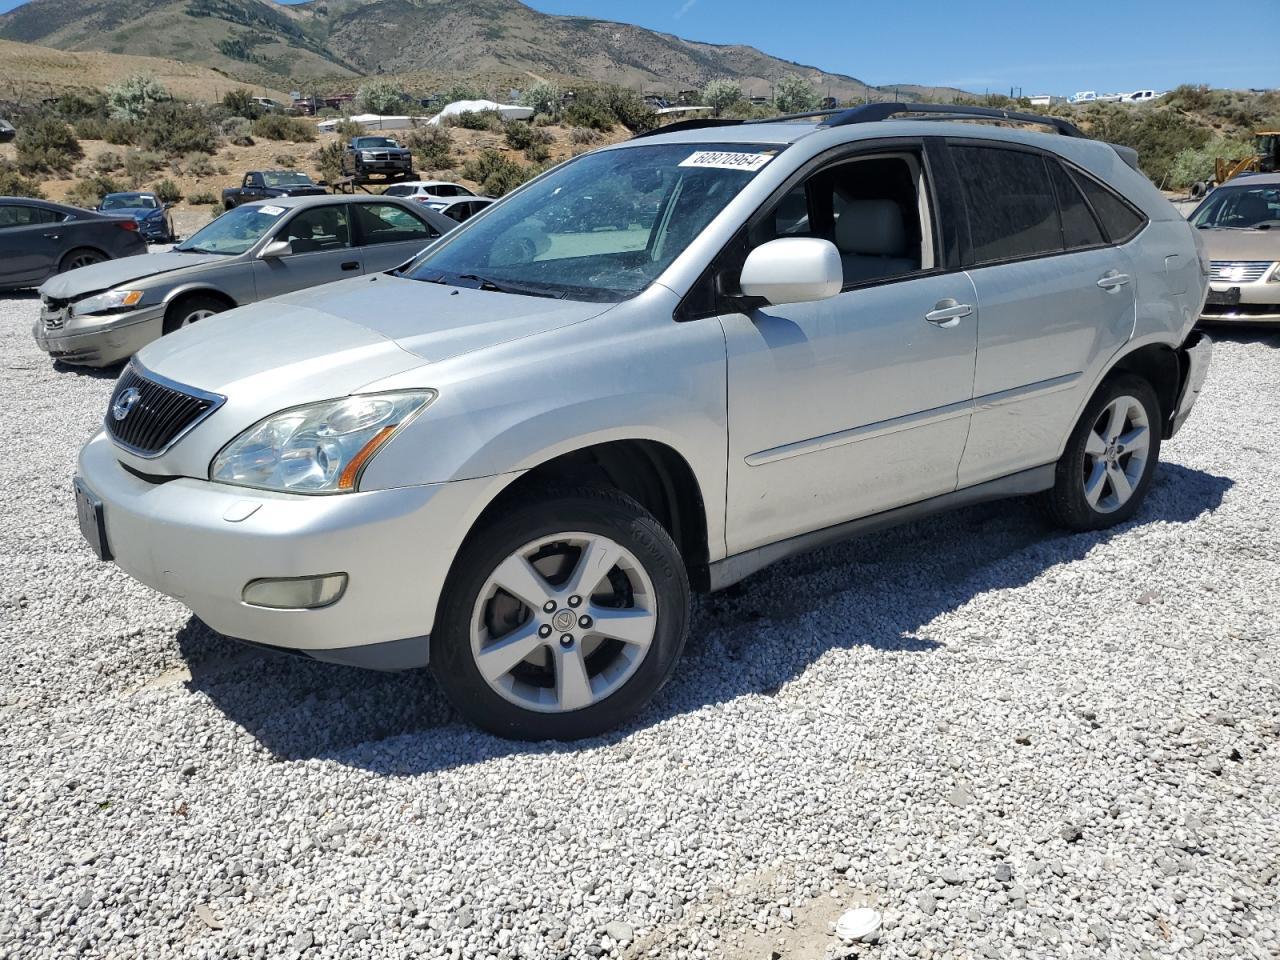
[195, 316]
[84, 260]
[1116, 453]
[563, 622]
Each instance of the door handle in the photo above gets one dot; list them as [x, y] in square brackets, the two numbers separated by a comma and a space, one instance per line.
[52, 236]
[1112, 280]
[351, 265]
[947, 313]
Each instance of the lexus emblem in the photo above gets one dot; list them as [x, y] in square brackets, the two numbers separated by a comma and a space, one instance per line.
[127, 400]
[564, 620]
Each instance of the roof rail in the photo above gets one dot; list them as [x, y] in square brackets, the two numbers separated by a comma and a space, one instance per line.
[874, 112]
[697, 123]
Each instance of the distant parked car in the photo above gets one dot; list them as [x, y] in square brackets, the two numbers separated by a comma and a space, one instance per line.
[381, 155]
[267, 105]
[149, 212]
[105, 313]
[268, 185]
[39, 239]
[7, 132]
[424, 190]
[1140, 96]
[461, 209]
[1240, 226]
[1084, 96]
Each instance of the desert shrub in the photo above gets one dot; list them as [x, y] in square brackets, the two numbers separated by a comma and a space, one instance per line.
[629, 108]
[348, 128]
[79, 106]
[589, 113]
[177, 129]
[90, 191]
[47, 145]
[108, 161]
[794, 94]
[235, 127]
[199, 165]
[720, 95]
[478, 120]
[1189, 97]
[14, 184]
[519, 134]
[432, 146]
[584, 136]
[1197, 163]
[90, 128]
[167, 190]
[240, 103]
[204, 198]
[545, 98]
[285, 160]
[122, 132]
[494, 173]
[135, 96]
[276, 126]
[139, 165]
[328, 160]
[378, 96]
[746, 110]
[462, 91]
[538, 151]
[1158, 135]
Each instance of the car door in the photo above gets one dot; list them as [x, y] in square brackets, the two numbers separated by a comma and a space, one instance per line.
[389, 234]
[849, 406]
[1057, 300]
[31, 242]
[323, 251]
[252, 188]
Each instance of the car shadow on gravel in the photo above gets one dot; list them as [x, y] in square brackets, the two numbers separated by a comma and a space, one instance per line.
[750, 639]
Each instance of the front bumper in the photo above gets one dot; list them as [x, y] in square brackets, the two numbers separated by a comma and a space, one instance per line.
[201, 543]
[98, 341]
[1259, 303]
[1195, 355]
[385, 166]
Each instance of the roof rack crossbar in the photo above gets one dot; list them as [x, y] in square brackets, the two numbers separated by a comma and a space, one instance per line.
[874, 112]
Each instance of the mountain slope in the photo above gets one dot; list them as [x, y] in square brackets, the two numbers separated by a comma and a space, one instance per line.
[266, 41]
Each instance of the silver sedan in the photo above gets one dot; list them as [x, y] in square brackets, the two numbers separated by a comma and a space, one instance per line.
[101, 314]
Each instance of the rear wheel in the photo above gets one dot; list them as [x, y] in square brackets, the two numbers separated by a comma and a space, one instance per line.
[189, 310]
[562, 618]
[80, 257]
[1110, 458]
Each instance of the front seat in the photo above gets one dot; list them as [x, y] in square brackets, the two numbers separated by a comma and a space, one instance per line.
[1253, 208]
[872, 241]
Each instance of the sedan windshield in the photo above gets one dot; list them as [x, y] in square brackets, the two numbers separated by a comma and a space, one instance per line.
[124, 201]
[601, 227]
[366, 142]
[235, 231]
[285, 178]
[1241, 208]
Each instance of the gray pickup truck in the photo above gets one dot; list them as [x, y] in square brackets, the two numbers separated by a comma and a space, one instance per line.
[270, 185]
[376, 155]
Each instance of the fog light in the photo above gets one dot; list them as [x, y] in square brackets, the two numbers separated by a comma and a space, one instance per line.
[295, 593]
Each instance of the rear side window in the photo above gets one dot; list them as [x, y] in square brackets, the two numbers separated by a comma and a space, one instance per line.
[19, 215]
[1013, 212]
[1079, 227]
[1119, 219]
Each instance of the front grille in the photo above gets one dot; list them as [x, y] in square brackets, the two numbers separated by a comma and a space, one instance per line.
[160, 415]
[54, 312]
[1238, 271]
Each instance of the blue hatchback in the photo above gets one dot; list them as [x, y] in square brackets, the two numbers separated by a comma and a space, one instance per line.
[148, 211]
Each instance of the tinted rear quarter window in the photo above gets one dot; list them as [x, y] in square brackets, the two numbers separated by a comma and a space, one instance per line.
[1079, 228]
[1119, 219]
[1013, 212]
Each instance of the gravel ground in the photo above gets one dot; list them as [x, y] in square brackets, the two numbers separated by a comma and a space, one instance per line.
[1009, 741]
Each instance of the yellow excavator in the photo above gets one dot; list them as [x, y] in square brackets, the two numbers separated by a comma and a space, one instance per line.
[1265, 159]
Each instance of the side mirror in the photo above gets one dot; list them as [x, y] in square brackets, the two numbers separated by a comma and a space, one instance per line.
[276, 249]
[793, 270]
[169, 205]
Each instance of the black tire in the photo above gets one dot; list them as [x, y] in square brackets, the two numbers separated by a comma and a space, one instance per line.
[594, 511]
[1066, 504]
[180, 311]
[81, 257]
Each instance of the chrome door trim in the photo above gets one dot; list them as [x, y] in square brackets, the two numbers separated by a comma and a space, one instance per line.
[1040, 388]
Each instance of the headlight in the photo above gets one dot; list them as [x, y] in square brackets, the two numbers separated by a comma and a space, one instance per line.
[108, 302]
[1275, 274]
[319, 448]
[366, 154]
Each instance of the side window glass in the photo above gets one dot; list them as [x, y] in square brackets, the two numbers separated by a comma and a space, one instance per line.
[321, 228]
[1119, 219]
[386, 223]
[20, 215]
[1012, 209]
[1079, 228]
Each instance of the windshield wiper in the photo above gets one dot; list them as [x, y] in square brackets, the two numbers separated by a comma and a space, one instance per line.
[221, 253]
[485, 283]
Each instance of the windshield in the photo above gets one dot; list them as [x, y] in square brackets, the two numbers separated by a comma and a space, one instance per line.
[1241, 208]
[373, 142]
[235, 231]
[285, 178]
[601, 227]
[122, 201]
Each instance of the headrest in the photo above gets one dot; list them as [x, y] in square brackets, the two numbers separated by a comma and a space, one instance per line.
[871, 228]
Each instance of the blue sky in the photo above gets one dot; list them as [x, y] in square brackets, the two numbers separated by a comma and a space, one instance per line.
[1104, 45]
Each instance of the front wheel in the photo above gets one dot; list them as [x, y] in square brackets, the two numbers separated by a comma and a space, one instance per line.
[562, 618]
[189, 310]
[1110, 458]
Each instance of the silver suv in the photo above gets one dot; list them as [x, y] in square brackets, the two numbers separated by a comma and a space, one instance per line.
[656, 368]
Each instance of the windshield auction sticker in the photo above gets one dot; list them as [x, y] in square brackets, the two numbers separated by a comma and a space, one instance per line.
[724, 160]
[271, 211]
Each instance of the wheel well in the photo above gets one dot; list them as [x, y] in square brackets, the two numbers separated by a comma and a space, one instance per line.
[211, 294]
[649, 472]
[83, 246]
[1160, 367]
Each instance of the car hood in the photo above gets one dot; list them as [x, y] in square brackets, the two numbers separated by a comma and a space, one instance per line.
[1242, 244]
[111, 273]
[334, 339]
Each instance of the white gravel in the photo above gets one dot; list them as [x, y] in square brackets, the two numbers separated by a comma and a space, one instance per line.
[1009, 741]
